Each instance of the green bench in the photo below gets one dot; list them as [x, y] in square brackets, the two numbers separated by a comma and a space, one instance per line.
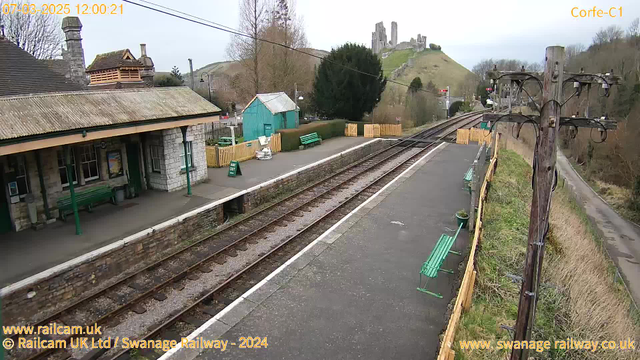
[433, 265]
[226, 141]
[85, 198]
[468, 176]
[310, 139]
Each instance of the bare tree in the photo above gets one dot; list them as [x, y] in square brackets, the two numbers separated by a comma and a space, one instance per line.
[286, 67]
[38, 34]
[571, 51]
[482, 68]
[247, 50]
[634, 28]
[610, 34]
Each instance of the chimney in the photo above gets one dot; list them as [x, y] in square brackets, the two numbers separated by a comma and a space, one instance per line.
[74, 55]
[149, 70]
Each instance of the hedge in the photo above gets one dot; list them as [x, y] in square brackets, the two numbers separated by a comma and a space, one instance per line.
[326, 130]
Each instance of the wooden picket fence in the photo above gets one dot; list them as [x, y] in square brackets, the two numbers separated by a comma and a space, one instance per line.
[464, 136]
[371, 130]
[351, 130]
[390, 130]
[222, 156]
[465, 295]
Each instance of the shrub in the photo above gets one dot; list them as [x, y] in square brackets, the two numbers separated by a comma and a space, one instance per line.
[325, 129]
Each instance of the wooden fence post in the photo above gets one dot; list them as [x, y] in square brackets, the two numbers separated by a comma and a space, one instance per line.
[469, 295]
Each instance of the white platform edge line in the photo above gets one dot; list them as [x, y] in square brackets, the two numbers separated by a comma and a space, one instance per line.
[242, 297]
[141, 234]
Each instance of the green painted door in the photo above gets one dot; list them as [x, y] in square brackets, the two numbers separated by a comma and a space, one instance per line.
[5, 216]
[133, 160]
[268, 130]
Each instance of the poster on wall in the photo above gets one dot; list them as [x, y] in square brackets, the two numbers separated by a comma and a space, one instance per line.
[114, 162]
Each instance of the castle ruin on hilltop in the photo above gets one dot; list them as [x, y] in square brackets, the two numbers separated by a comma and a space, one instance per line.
[379, 40]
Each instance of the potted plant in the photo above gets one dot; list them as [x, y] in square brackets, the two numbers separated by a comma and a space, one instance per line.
[462, 217]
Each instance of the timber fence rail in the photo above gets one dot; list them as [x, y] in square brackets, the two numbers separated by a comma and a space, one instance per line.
[465, 295]
[377, 130]
[222, 156]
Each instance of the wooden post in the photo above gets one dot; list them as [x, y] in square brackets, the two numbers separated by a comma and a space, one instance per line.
[543, 178]
[469, 294]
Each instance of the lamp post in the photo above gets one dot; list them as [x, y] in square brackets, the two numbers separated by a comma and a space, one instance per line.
[208, 84]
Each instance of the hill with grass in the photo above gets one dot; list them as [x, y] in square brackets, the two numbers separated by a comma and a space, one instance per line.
[429, 65]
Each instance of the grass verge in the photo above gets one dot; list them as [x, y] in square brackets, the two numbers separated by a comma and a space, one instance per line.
[580, 297]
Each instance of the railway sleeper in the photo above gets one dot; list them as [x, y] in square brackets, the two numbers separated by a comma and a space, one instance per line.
[160, 296]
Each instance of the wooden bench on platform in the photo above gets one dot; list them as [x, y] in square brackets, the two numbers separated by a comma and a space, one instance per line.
[86, 198]
[433, 265]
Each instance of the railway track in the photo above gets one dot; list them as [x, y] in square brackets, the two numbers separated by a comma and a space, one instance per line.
[186, 266]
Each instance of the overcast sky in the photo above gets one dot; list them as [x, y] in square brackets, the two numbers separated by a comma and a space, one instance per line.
[468, 31]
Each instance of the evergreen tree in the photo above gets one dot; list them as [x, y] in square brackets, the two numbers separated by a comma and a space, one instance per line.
[175, 72]
[416, 85]
[345, 93]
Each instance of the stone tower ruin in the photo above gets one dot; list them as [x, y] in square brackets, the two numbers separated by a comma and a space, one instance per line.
[394, 34]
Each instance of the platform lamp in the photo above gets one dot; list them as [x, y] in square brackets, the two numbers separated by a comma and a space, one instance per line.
[208, 84]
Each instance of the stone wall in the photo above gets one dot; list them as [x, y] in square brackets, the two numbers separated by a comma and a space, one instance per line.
[173, 147]
[95, 272]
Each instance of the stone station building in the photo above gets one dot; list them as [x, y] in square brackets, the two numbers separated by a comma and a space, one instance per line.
[125, 139]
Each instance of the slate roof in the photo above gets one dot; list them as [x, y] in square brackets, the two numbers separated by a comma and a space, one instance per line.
[60, 66]
[21, 73]
[24, 116]
[112, 60]
[276, 102]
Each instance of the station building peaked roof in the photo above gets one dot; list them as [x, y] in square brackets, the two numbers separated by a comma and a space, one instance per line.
[277, 102]
[37, 115]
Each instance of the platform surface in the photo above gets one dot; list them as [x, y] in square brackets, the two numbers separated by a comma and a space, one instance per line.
[29, 252]
[353, 294]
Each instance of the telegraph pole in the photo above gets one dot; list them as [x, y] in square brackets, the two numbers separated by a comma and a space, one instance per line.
[543, 180]
[548, 124]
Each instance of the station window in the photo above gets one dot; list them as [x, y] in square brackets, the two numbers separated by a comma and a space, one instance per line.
[62, 169]
[21, 176]
[157, 156]
[89, 162]
[189, 155]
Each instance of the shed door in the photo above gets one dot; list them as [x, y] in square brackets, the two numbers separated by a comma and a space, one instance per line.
[268, 130]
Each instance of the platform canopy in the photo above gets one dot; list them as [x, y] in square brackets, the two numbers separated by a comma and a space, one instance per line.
[35, 121]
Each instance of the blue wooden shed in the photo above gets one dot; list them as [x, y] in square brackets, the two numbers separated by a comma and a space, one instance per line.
[267, 113]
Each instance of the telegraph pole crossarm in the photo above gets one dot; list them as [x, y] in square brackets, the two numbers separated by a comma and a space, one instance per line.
[580, 122]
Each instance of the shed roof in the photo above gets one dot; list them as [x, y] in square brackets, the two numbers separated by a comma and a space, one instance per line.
[276, 102]
[23, 116]
[114, 59]
[21, 73]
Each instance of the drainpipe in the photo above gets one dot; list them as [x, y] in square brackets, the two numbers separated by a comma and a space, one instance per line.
[74, 204]
[186, 158]
[43, 189]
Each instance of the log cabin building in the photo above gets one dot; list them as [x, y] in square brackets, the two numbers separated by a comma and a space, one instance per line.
[62, 134]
